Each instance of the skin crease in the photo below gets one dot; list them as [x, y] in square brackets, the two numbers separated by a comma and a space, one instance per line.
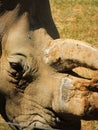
[34, 93]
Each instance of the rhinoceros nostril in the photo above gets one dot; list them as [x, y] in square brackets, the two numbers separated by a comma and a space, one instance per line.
[93, 86]
[16, 66]
[93, 89]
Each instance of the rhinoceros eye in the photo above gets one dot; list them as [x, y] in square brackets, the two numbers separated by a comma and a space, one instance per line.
[16, 66]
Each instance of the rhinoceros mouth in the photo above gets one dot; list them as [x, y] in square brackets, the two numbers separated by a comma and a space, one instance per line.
[32, 115]
[43, 119]
[37, 121]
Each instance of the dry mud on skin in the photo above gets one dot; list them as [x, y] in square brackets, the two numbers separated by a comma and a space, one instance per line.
[86, 125]
[3, 125]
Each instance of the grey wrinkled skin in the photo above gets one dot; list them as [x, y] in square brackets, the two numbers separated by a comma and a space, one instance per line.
[37, 86]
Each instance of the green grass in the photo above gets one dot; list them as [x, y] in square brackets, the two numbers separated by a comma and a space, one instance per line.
[73, 2]
[77, 19]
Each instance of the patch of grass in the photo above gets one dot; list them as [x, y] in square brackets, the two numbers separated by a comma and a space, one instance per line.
[73, 2]
[3, 125]
[77, 19]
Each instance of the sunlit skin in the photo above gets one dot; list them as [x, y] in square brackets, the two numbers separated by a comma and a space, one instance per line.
[37, 87]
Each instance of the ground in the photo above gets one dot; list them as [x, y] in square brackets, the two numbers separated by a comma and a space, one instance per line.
[77, 19]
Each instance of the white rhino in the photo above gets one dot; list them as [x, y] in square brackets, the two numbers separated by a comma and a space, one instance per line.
[38, 89]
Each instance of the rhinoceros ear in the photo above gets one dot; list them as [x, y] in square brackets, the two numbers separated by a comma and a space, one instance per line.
[64, 55]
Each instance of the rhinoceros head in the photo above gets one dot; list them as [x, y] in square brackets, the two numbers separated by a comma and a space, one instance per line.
[37, 85]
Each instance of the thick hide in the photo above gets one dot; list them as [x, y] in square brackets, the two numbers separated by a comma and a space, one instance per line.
[38, 88]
